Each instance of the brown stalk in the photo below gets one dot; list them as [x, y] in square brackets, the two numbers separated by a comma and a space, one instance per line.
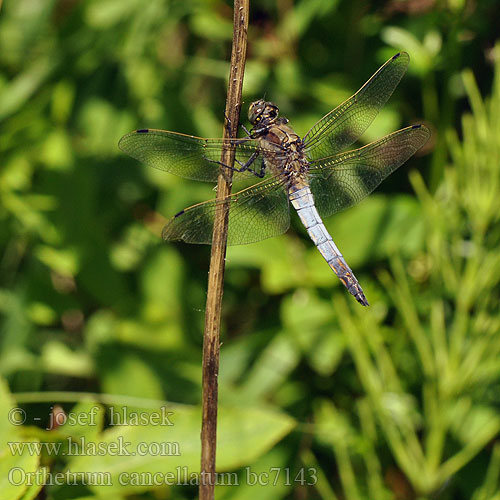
[217, 259]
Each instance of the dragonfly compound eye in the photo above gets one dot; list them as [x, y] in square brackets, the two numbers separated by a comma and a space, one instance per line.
[256, 109]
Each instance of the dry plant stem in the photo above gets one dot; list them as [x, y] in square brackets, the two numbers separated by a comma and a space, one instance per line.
[217, 258]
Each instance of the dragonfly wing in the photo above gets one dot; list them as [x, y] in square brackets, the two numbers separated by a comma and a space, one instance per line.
[186, 155]
[345, 179]
[344, 125]
[256, 213]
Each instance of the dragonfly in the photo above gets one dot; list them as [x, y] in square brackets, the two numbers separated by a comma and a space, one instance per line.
[315, 174]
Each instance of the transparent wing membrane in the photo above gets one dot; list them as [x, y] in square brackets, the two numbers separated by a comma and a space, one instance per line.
[256, 213]
[346, 123]
[186, 155]
[343, 180]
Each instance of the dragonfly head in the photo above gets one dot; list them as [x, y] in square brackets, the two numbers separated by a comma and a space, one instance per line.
[262, 113]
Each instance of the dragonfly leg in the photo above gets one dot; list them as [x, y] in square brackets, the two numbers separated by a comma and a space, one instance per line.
[245, 130]
[229, 126]
[243, 166]
[246, 166]
[249, 162]
[262, 171]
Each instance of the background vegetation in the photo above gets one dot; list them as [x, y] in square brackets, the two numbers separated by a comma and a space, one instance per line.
[397, 401]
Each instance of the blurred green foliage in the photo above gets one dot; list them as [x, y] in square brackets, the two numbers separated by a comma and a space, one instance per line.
[398, 401]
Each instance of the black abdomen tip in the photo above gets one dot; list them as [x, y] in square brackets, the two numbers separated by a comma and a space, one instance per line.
[358, 294]
[362, 299]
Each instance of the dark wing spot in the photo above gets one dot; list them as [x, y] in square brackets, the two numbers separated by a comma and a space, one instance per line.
[179, 213]
[416, 126]
[143, 131]
[396, 56]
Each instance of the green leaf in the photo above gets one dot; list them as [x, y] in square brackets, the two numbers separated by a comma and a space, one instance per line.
[16, 467]
[129, 375]
[64, 261]
[60, 359]
[32, 492]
